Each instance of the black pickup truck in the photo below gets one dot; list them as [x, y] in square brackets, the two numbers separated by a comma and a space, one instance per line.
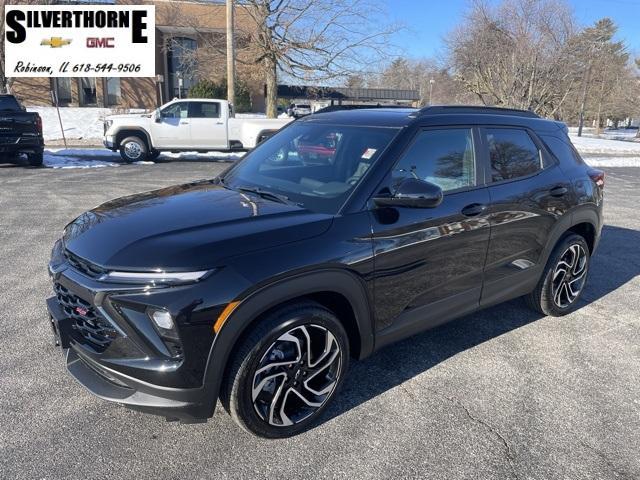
[20, 132]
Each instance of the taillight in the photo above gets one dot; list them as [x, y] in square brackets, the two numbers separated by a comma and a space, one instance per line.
[39, 123]
[597, 176]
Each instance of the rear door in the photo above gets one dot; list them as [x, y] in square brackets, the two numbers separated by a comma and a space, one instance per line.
[429, 261]
[528, 194]
[208, 125]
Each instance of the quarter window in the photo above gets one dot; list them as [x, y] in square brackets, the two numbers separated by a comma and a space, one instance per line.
[444, 157]
[512, 154]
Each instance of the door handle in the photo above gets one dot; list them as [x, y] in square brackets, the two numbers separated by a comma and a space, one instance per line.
[558, 191]
[474, 209]
[219, 123]
[184, 123]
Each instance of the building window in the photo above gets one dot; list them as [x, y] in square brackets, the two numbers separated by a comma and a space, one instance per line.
[87, 91]
[181, 64]
[63, 90]
[113, 93]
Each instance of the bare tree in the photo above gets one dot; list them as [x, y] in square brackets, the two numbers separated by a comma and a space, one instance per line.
[315, 40]
[515, 54]
[427, 76]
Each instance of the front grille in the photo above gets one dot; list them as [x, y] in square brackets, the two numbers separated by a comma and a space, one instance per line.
[95, 330]
[83, 266]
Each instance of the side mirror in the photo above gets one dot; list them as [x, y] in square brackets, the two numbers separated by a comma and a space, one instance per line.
[412, 193]
[158, 116]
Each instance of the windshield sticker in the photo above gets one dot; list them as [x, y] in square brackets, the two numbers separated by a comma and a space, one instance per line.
[368, 153]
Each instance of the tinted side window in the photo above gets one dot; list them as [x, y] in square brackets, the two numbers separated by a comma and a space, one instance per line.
[562, 150]
[512, 153]
[444, 157]
[204, 110]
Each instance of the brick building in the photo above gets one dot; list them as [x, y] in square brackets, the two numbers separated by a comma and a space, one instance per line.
[190, 45]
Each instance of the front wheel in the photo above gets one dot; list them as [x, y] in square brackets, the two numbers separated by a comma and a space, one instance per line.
[563, 279]
[133, 149]
[287, 371]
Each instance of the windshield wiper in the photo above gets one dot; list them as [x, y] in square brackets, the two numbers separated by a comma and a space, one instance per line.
[266, 194]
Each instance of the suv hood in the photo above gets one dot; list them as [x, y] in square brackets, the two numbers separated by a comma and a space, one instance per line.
[186, 227]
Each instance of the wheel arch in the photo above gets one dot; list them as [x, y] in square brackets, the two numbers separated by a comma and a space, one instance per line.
[125, 132]
[339, 290]
[584, 221]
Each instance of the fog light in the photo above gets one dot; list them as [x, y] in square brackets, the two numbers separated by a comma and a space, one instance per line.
[162, 319]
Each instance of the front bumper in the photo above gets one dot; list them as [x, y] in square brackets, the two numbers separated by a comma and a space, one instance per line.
[185, 404]
[113, 349]
[109, 142]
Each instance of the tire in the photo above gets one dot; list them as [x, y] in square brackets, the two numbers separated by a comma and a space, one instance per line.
[36, 159]
[270, 342]
[571, 255]
[133, 149]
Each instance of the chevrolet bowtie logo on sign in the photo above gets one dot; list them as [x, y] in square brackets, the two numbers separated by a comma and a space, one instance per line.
[80, 40]
[56, 42]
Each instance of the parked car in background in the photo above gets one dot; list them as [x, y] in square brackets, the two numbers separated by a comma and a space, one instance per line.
[297, 110]
[193, 124]
[20, 132]
[341, 234]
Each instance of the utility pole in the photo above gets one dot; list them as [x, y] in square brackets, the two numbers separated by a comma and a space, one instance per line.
[231, 64]
[431, 82]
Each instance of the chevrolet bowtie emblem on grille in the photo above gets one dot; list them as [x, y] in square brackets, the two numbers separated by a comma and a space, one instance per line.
[55, 42]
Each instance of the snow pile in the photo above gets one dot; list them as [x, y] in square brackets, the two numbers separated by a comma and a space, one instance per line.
[600, 162]
[98, 158]
[604, 146]
[78, 123]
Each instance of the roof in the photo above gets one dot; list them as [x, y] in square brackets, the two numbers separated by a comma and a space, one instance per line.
[441, 115]
[372, 117]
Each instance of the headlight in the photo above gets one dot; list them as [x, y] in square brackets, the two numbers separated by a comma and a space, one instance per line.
[157, 277]
[107, 125]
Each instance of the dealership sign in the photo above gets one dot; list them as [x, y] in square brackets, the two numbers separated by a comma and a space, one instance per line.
[80, 41]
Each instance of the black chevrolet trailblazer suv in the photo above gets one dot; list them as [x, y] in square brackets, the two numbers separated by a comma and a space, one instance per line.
[343, 233]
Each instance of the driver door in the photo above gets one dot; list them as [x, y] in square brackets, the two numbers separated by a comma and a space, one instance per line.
[173, 129]
[429, 261]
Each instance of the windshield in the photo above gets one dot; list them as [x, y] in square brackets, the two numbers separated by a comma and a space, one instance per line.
[9, 103]
[313, 165]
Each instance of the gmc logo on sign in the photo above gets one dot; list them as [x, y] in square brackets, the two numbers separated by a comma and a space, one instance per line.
[93, 42]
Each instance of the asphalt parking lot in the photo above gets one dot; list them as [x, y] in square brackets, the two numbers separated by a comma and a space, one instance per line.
[504, 393]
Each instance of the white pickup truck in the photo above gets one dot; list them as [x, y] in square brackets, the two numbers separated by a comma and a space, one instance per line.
[192, 124]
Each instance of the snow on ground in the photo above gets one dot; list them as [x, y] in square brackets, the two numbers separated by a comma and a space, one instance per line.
[98, 158]
[78, 123]
[587, 145]
[622, 161]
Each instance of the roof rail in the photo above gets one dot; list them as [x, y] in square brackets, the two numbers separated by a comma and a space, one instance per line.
[456, 109]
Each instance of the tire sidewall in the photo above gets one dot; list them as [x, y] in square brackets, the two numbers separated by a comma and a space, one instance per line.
[547, 303]
[241, 402]
[143, 149]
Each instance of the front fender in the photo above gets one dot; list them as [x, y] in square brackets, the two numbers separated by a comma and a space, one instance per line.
[258, 302]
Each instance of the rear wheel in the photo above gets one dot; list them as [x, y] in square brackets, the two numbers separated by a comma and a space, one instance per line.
[287, 371]
[133, 149]
[563, 279]
[36, 159]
